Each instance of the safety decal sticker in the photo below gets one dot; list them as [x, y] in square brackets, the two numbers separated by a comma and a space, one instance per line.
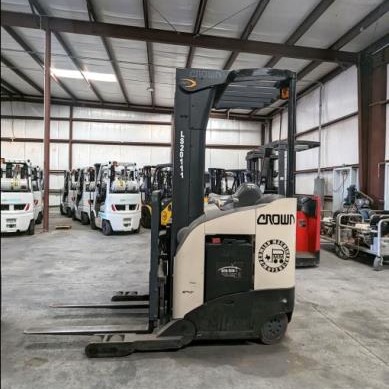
[274, 255]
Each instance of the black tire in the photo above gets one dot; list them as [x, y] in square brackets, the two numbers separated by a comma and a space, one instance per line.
[274, 329]
[145, 220]
[93, 221]
[63, 213]
[84, 218]
[106, 228]
[137, 231]
[74, 214]
[69, 212]
[344, 252]
[39, 218]
[31, 228]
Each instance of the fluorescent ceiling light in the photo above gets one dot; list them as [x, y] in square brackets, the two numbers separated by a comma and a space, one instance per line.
[90, 76]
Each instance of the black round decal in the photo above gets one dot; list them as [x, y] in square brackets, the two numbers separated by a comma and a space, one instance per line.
[274, 255]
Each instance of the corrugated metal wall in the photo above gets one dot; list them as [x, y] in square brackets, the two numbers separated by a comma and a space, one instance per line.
[90, 134]
[339, 132]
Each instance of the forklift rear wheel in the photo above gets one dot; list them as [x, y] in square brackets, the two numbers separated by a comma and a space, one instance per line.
[84, 218]
[273, 330]
[63, 213]
[39, 218]
[31, 228]
[93, 221]
[378, 263]
[106, 228]
[137, 230]
[69, 212]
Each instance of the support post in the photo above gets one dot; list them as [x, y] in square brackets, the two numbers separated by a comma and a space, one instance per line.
[70, 159]
[263, 131]
[363, 119]
[372, 118]
[46, 139]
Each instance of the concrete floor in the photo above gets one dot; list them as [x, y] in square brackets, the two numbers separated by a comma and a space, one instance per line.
[339, 336]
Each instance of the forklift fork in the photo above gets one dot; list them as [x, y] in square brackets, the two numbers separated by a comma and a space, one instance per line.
[119, 340]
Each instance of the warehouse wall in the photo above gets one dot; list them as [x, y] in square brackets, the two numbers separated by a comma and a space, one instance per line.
[339, 130]
[143, 143]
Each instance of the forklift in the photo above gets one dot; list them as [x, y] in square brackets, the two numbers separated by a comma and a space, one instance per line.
[69, 191]
[37, 189]
[239, 176]
[261, 163]
[117, 199]
[158, 177]
[85, 193]
[220, 275]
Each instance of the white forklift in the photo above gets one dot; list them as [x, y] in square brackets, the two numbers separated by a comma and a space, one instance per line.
[85, 193]
[69, 192]
[17, 198]
[37, 188]
[215, 273]
[118, 203]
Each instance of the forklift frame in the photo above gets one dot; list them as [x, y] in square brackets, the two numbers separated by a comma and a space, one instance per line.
[197, 92]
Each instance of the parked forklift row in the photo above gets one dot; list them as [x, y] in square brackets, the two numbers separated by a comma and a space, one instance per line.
[21, 196]
[106, 196]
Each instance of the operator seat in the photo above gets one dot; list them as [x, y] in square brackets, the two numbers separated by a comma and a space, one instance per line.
[248, 194]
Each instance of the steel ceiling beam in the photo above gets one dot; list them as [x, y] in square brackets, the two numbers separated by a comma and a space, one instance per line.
[149, 49]
[30, 51]
[11, 87]
[196, 30]
[303, 27]
[22, 75]
[42, 15]
[352, 33]
[259, 10]
[110, 53]
[57, 25]
[378, 45]
[125, 107]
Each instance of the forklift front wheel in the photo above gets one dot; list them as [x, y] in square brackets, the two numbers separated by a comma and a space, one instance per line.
[31, 228]
[39, 218]
[93, 221]
[273, 330]
[106, 228]
[84, 218]
[146, 217]
[63, 213]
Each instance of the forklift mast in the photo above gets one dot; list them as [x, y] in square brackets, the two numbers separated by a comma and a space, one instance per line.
[197, 92]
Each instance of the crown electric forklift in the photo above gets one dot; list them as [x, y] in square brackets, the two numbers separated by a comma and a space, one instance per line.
[215, 273]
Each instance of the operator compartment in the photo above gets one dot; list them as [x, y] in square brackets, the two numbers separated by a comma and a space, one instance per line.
[228, 265]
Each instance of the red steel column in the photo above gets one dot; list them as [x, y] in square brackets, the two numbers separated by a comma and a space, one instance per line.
[364, 91]
[377, 130]
[70, 163]
[372, 119]
[46, 139]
